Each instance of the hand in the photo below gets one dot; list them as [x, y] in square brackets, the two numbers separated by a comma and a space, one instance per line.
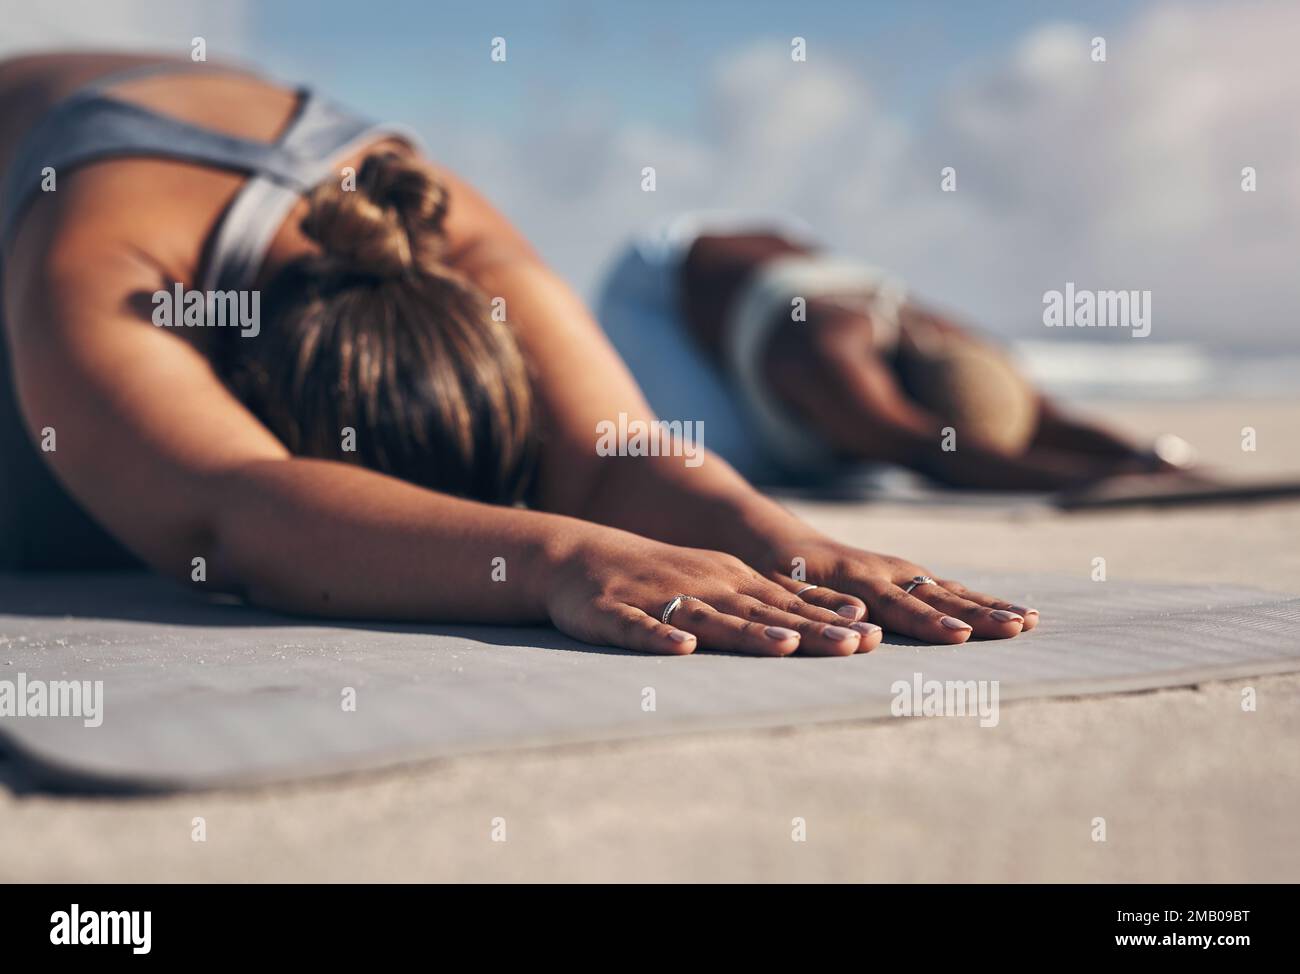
[943, 612]
[611, 587]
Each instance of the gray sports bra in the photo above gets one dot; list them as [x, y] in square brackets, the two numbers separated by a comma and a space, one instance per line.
[92, 124]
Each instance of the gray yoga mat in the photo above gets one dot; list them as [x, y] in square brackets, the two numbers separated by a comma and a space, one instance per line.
[199, 694]
[1151, 490]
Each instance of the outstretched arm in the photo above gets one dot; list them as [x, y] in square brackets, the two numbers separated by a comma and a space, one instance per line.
[581, 382]
[155, 447]
[153, 444]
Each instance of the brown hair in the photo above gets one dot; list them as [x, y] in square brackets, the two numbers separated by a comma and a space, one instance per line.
[377, 333]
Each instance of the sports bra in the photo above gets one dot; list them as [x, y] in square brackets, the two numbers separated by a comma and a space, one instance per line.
[93, 124]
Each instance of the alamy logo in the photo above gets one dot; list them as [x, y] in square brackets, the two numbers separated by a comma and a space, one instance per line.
[182, 308]
[53, 698]
[131, 927]
[653, 438]
[1080, 308]
[946, 698]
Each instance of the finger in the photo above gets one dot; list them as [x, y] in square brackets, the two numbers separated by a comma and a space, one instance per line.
[817, 638]
[868, 633]
[775, 595]
[728, 633]
[635, 629]
[1029, 615]
[848, 607]
[980, 617]
[899, 612]
[870, 636]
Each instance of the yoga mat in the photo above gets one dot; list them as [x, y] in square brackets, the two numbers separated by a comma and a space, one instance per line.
[895, 485]
[1160, 491]
[200, 694]
[1171, 491]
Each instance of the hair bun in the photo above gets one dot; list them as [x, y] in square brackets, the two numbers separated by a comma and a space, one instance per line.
[390, 223]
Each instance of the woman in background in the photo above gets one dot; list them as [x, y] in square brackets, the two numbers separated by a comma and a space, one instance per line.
[807, 367]
[382, 441]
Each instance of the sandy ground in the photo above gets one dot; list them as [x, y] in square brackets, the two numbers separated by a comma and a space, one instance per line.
[1191, 786]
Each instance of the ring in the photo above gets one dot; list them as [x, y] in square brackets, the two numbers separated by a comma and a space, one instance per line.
[672, 606]
[917, 581]
[806, 588]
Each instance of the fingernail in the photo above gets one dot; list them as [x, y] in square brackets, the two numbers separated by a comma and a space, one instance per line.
[1002, 615]
[776, 632]
[838, 633]
[849, 611]
[866, 628]
[1023, 611]
[678, 636]
[948, 622]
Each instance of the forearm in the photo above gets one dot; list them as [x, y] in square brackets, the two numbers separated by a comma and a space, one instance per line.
[1059, 430]
[920, 444]
[708, 506]
[326, 538]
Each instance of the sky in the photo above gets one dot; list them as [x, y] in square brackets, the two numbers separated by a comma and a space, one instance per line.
[1122, 174]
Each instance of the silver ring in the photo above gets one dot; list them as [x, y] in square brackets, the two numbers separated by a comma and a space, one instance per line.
[806, 588]
[673, 605]
[917, 581]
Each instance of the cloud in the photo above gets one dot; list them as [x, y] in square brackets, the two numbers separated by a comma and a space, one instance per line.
[1127, 174]
[138, 24]
[1122, 174]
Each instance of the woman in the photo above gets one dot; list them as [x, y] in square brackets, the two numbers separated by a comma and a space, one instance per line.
[414, 377]
[807, 367]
